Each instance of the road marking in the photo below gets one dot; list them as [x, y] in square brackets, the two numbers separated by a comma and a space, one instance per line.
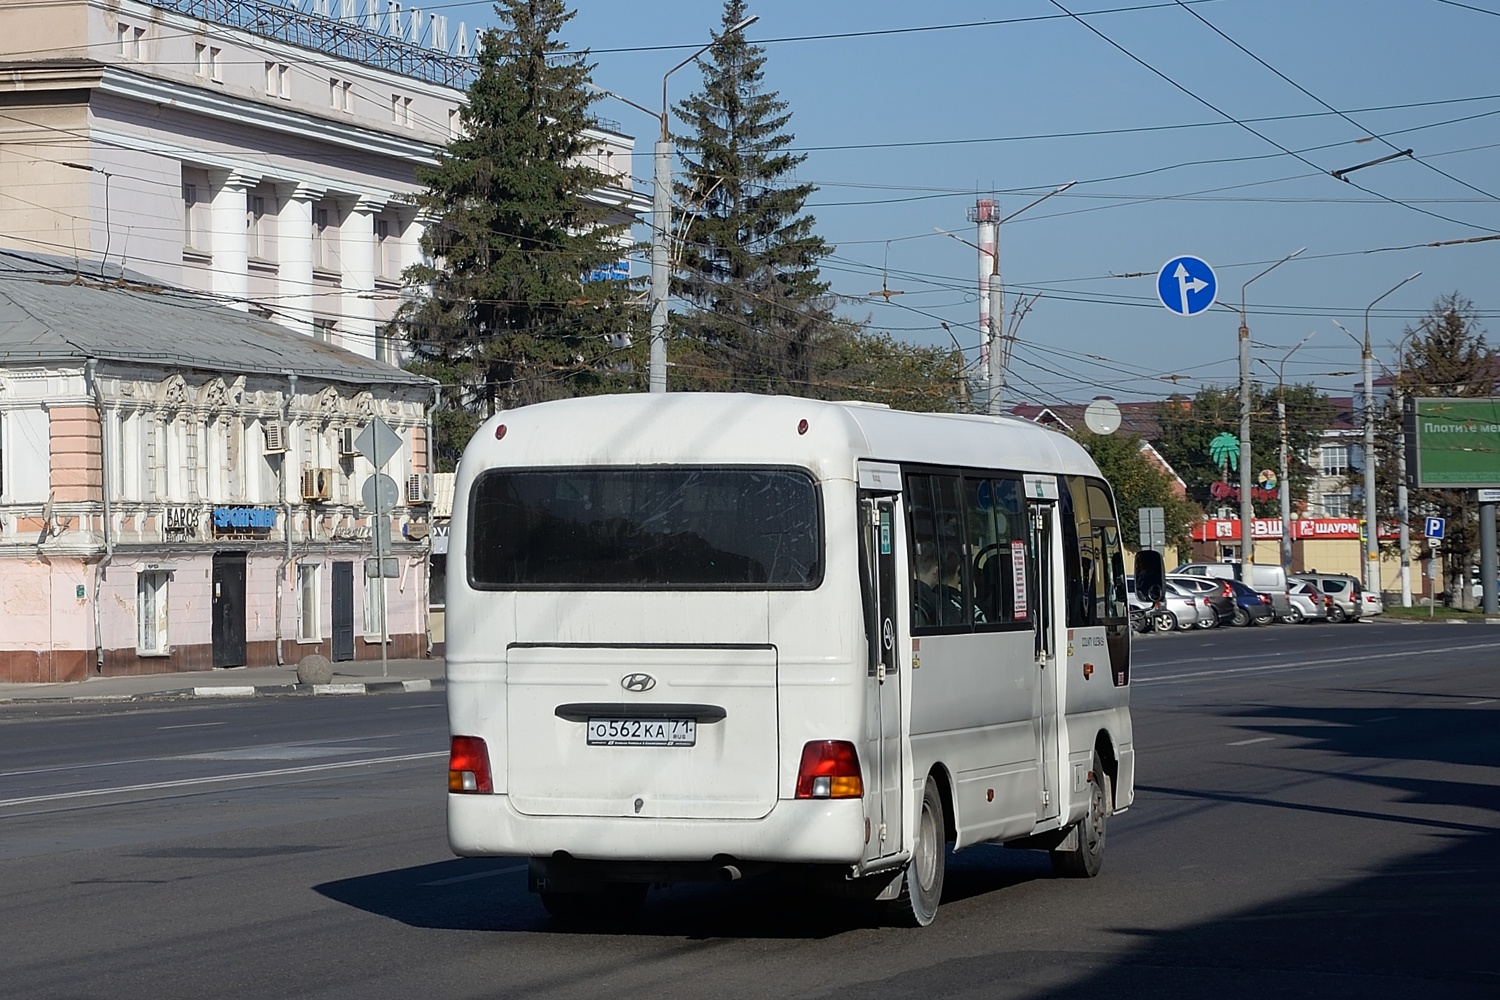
[1245, 743]
[476, 875]
[1308, 665]
[211, 779]
[1383, 718]
[1481, 701]
[192, 725]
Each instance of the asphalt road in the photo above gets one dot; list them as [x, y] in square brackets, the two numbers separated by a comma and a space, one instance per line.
[1317, 815]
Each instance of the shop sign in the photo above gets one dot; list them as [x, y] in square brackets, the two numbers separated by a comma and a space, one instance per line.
[244, 522]
[181, 522]
[1228, 529]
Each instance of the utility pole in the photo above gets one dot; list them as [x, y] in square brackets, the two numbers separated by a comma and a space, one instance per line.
[1283, 471]
[1367, 365]
[1247, 506]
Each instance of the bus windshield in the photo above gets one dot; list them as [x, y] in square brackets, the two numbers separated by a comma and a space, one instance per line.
[645, 528]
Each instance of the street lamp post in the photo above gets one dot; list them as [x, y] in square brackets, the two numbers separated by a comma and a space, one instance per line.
[1372, 532]
[1247, 507]
[1285, 481]
[661, 222]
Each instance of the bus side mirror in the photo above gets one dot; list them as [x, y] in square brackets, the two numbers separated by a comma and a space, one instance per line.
[1150, 576]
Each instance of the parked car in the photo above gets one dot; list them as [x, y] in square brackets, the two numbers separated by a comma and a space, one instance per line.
[1345, 591]
[1372, 604]
[1180, 609]
[1309, 604]
[1220, 597]
[1251, 606]
[1268, 578]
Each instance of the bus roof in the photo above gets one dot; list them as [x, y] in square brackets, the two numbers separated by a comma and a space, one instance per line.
[682, 428]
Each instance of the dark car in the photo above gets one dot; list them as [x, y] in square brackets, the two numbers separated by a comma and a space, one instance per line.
[1220, 597]
[1251, 607]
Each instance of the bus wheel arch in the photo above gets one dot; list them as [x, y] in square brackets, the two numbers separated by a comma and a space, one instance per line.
[1104, 753]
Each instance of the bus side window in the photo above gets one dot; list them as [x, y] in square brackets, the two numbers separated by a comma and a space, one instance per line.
[1075, 512]
[996, 522]
[940, 578]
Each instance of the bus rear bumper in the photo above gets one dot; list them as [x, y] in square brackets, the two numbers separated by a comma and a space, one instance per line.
[793, 832]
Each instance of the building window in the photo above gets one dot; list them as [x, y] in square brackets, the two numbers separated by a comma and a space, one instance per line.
[374, 591]
[309, 628]
[1335, 459]
[400, 110]
[151, 614]
[341, 95]
[1337, 504]
[255, 222]
[132, 45]
[323, 329]
[192, 216]
[455, 122]
[320, 237]
[382, 248]
[278, 80]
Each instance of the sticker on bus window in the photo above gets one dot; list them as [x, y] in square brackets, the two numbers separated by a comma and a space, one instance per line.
[885, 532]
[1018, 575]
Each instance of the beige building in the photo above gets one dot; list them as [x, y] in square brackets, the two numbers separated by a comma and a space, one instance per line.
[261, 151]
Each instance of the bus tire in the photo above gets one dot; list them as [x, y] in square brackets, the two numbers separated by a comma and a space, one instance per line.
[1086, 856]
[922, 882]
[616, 903]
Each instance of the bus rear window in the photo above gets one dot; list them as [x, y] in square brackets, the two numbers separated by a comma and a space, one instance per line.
[643, 528]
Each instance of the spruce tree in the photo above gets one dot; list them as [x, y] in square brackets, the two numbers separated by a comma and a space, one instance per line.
[509, 315]
[761, 319]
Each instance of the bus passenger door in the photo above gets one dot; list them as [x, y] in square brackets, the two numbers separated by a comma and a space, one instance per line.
[878, 576]
[1044, 573]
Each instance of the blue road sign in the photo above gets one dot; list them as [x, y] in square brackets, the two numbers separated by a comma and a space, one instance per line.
[1434, 527]
[1186, 285]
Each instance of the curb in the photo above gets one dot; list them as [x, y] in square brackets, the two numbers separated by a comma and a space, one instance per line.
[233, 691]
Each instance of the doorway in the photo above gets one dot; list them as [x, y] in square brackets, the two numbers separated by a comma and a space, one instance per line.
[229, 609]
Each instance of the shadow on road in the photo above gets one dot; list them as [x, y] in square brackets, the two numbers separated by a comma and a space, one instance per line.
[490, 894]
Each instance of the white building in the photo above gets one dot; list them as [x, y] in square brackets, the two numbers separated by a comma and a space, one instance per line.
[180, 485]
[261, 151]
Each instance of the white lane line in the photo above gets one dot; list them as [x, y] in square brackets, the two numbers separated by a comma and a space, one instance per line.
[1307, 665]
[192, 725]
[1245, 743]
[475, 875]
[155, 786]
[1382, 718]
[1481, 701]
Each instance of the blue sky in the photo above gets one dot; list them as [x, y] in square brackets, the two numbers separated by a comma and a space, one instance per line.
[905, 128]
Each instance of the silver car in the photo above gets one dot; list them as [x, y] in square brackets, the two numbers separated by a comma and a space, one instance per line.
[1180, 610]
[1307, 602]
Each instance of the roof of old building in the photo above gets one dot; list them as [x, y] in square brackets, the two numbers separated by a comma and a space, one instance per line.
[56, 309]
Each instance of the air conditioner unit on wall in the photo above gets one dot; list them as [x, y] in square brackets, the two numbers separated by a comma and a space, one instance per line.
[275, 438]
[317, 484]
[346, 441]
[418, 489]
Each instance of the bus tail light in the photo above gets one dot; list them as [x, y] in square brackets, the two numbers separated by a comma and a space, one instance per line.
[830, 770]
[469, 766]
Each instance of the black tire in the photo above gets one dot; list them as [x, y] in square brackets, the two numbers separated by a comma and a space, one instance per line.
[922, 882]
[1165, 621]
[1294, 616]
[1338, 614]
[1086, 857]
[614, 904]
[1212, 621]
[1241, 616]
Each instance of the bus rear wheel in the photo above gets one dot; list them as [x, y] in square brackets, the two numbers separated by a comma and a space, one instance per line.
[922, 883]
[1086, 856]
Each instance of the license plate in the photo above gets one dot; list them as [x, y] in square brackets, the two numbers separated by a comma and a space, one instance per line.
[642, 732]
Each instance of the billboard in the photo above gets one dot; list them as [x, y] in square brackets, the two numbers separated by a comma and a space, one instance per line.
[1453, 442]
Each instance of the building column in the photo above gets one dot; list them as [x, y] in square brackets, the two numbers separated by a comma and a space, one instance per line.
[294, 226]
[357, 250]
[228, 214]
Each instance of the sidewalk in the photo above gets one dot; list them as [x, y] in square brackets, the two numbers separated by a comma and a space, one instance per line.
[352, 677]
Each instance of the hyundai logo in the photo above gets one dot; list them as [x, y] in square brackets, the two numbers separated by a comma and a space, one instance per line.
[637, 682]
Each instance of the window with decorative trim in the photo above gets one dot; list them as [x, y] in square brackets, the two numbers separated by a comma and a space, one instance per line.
[309, 603]
[151, 590]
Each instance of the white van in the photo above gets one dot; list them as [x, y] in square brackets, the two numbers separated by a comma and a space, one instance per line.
[1268, 579]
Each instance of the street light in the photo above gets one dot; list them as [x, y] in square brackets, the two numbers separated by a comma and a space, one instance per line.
[1247, 507]
[661, 213]
[1285, 483]
[1367, 357]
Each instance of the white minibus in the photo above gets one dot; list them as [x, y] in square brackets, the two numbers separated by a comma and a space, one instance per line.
[699, 636]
